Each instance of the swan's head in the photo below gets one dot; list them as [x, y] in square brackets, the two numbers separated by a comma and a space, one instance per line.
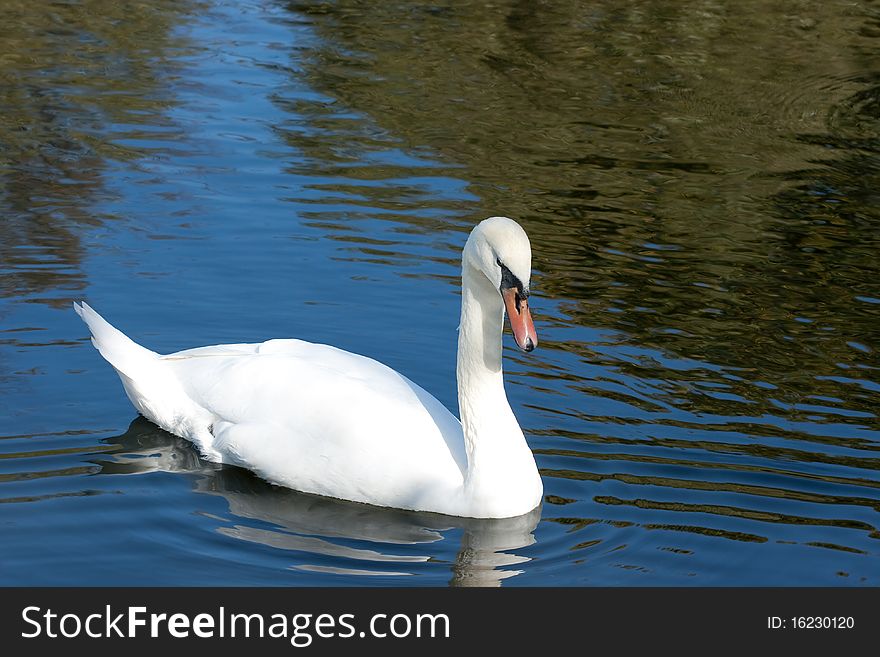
[499, 248]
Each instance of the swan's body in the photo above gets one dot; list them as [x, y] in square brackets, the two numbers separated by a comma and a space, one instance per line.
[325, 421]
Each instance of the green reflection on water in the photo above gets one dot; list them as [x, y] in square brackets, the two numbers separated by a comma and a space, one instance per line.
[670, 161]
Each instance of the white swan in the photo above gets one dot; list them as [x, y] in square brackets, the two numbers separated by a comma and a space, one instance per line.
[325, 421]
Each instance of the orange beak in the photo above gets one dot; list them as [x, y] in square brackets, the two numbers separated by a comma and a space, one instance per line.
[520, 319]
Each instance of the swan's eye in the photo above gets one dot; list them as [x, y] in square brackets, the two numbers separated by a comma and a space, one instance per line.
[498, 262]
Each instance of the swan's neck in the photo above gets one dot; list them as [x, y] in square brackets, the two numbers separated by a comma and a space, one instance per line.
[498, 456]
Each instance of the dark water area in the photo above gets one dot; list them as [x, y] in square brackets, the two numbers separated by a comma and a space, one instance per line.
[700, 185]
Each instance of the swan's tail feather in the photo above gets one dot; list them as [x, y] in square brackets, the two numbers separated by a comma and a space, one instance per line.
[151, 386]
[123, 353]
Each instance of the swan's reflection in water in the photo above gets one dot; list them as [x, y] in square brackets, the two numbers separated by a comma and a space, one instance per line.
[308, 524]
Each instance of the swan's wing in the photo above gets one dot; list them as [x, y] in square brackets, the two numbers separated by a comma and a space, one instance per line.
[297, 401]
[281, 379]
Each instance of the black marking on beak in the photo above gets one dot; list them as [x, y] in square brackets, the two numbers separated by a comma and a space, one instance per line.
[509, 281]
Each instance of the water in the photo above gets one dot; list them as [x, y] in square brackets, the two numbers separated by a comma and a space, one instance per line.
[700, 187]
